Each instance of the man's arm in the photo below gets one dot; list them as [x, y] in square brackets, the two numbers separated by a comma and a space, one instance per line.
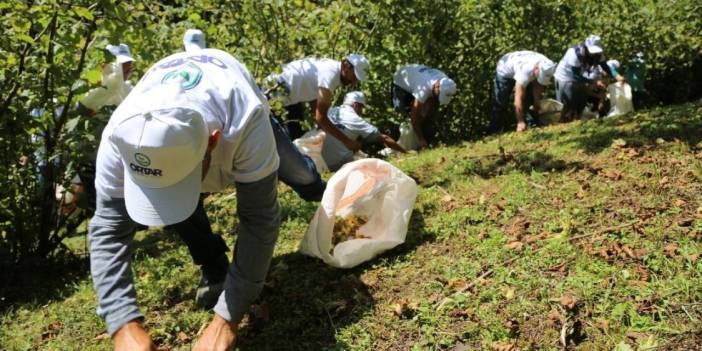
[519, 92]
[391, 143]
[110, 234]
[417, 119]
[320, 116]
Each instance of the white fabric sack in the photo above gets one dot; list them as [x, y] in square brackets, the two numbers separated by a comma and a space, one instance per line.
[408, 138]
[550, 111]
[370, 188]
[620, 98]
[311, 144]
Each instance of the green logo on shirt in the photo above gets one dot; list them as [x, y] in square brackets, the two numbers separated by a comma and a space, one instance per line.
[142, 159]
[189, 76]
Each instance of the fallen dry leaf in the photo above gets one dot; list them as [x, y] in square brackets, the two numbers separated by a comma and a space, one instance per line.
[679, 203]
[103, 336]
[693, 257]
[670, 250]
[518, 227]
[503, 346]
[404, 308]
[603, 324]
[568, 301]
[182, 337]
[514, 245]
[458, 284]
[643, 274]
[664, 181]
[555, 318]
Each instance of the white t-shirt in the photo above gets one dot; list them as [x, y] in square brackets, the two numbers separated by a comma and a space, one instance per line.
[519, 65]
[564, 70]
[306, 76]
[344, 117]
[418, 80]
[220, 88]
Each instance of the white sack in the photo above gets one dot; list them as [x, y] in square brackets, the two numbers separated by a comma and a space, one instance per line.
[370, 188]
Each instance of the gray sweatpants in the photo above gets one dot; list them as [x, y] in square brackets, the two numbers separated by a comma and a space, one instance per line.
[111, 233]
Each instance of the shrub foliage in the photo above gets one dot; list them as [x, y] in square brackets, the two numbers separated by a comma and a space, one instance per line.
[52, 51]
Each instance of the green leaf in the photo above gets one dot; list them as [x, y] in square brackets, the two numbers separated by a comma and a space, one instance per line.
[25, 38]
[72, 123]
[94, 76]
[83, 12]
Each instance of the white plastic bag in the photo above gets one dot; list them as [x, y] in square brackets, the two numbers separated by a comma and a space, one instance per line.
[620, 97]
[408, 138]
[370, 188]
[550, 111]
[311, 144]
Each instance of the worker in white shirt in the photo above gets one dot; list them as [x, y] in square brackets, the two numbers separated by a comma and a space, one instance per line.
[418, 91]
[195, 123]
[527, 73]
[313, 81]
[347, 118]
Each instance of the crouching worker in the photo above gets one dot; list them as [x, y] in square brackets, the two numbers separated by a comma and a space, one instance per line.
[196, 122]
[347, 118]
[418, 91]
[528, 73]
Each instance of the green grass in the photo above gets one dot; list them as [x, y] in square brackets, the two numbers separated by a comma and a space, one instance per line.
[593, 225]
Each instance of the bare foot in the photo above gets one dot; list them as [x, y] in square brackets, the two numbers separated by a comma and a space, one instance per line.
[220, 335]
[133, 337]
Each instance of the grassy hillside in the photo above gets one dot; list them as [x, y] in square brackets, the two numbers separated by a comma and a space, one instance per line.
[588, 233]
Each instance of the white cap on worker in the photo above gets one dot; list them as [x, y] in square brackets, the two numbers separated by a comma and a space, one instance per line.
[594, 44]
[546, 70]
[360, 65]
[613, 63]
[162, 149]
[194, 39]
[354, 96]
[447, 88]
[121, 52]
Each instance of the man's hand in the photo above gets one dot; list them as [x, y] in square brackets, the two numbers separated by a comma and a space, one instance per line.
[521, 126]
[353, 145]
[220, 335]
[600, 84]
[133, 337]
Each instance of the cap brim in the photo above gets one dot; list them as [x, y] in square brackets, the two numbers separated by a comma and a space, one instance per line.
[124, 58]
[163, 206]
[594, 49]
[360, 75]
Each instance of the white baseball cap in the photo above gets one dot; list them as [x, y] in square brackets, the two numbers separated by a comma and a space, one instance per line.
[194, 39]
[594, 44]
[122, 53]
[447, 88]
[546, 70]
[360, 65]
[613, 63]
[162, 151]
[354, 96]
